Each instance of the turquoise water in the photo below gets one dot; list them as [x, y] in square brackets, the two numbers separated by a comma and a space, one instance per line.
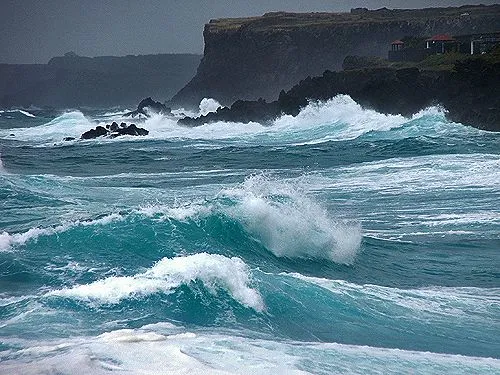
[339, 241]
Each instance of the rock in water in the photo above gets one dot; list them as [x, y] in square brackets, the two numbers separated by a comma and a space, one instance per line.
[94, 133]
[132, 129]
[152, 106]
[114, 130]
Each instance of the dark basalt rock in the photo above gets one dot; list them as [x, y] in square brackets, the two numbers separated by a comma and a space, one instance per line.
[152, 106]
[114, 130]
[95, 133]
[241, 111]
[132, 129]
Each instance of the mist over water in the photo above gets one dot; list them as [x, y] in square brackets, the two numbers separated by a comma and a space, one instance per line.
[338, 241]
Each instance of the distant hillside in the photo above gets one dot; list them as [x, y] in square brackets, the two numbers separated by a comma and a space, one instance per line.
[248, 58]
[76, 81]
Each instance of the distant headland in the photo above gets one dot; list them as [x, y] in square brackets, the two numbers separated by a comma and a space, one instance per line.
[73, 81]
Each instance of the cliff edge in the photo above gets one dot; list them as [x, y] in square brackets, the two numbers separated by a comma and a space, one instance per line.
[249, 58]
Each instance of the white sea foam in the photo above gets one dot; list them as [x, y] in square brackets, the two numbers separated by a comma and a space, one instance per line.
[9, 241]
[278, 213]
[177, 212]
[70, 124]
[291, 224]
[206, 106]
[420, 173]
[116, 113]
[467, 302]
[215, 271]
[339, 118]
[149, 351]
[23, 112]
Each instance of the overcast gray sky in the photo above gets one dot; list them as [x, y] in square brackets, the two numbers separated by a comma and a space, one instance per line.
[33, 31]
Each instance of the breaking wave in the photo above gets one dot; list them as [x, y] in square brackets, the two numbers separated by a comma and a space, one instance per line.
[291, 224]
[337, 119]
[280, 215]
[213, 270]
[70, 124]
[9, 241]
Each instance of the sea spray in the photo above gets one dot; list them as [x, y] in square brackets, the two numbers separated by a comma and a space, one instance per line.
[208, 105]
[291, 224]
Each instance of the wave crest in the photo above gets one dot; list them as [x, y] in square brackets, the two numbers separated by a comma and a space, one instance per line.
[215, 271]
[291, 224]
[8, 241]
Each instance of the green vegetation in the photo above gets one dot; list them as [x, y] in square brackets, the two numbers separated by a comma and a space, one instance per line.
[441, 62]
[445, 61]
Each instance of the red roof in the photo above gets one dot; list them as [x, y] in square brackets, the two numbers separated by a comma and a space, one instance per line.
[398, 42]
[441, 38]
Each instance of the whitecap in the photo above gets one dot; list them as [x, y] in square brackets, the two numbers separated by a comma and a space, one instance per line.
[69, 124]
[215, 271]
[10, 240]
[291, 224]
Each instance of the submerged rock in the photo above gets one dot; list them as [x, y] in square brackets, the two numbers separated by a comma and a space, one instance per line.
[114, 130]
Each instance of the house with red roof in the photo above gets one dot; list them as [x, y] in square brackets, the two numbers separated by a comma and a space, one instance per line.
[441, 43]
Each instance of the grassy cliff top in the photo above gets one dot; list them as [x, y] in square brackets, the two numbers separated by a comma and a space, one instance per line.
[283, 20]
[444, 62]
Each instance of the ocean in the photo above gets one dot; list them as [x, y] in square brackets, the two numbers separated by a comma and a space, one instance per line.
[339, 241]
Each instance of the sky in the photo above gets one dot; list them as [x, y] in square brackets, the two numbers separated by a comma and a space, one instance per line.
[33, 31]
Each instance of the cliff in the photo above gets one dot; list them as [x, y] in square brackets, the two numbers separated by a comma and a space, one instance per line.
[468, 90]
[248, 58]
[76, 81]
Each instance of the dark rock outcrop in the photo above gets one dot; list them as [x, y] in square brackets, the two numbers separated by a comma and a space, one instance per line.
[101, 82]
[469, 92]
[151, 105]
[114, 130]
[241, 111]
[250, 58]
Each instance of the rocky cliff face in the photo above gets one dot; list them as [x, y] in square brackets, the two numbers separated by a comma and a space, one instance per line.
[248, 58]
[469, 91]
[76, 81]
